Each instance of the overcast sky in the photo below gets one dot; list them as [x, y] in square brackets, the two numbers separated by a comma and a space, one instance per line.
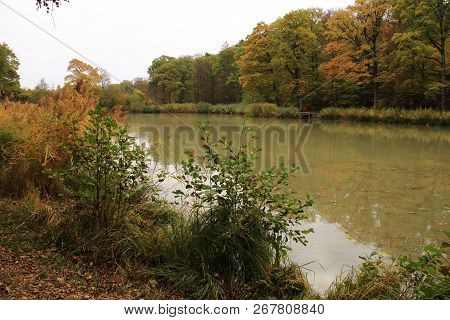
[124, 36]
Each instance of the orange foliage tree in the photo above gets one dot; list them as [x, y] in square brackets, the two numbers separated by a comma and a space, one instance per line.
[357, 38]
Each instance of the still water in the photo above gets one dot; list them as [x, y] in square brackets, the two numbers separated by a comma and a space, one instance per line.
[376, 187]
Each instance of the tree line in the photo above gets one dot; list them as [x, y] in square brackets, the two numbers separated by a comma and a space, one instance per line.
[374, 53]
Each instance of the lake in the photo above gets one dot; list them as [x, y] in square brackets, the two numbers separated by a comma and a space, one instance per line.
[376, 187]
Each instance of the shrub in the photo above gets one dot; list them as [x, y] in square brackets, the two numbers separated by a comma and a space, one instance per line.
[109, 186]
[150, 109]
[239, 223]
[203, 107]
[405, 278]
[427, 277]
[228, 109]
[262, 110]
[288, 113]
[107, 172]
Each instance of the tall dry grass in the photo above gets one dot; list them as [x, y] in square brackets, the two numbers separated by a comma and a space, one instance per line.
[35, 135]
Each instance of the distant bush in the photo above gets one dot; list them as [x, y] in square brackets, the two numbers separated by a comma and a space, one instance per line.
[203, 107]
[149, 109]
[237, 108]
[266, 110]
[288, 113]
[239, 224]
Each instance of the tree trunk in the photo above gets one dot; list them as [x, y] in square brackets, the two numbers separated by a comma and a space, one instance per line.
[375, 84]
[275, 90]
[298, 100]
[213, 95]
[375, 95]
[443, 74]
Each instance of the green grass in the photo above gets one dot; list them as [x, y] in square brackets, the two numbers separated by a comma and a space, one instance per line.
[389, 115]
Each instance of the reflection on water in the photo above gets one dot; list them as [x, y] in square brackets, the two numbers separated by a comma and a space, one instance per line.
[375, 186]
[329, 252]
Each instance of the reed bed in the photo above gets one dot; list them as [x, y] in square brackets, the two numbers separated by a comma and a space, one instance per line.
[389, 115]
[261, 110]
[31, 139]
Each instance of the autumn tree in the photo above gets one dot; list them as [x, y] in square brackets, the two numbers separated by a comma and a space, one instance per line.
[257, 74]
[356, 37]
[9, 78]
[82, 76]
[142, 85]
[428, 21]
[293, 41]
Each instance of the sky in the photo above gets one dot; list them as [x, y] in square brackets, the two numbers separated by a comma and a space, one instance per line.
[124, 36]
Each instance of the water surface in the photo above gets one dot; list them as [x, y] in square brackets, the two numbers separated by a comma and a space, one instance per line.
[376, 187]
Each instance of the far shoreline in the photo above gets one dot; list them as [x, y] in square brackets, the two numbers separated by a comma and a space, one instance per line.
[423, 117]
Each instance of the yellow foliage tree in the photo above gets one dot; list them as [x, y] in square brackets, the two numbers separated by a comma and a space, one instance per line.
[357, 36]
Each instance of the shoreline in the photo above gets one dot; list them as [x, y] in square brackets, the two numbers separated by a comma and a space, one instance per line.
[422, 117]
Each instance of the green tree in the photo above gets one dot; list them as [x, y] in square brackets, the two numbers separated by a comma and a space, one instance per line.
[174, 77]
[294, 42]
[9, 78]
[430, 19]
[226, 71]
[204, 79]
[257, 74]
[41, 91]
[159, 78]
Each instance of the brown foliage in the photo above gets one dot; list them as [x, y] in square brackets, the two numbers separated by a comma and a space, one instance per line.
[38, 133]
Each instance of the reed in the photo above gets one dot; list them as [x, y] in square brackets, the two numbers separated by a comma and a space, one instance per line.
[259, 110]
[389, 115]
[31, 139]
